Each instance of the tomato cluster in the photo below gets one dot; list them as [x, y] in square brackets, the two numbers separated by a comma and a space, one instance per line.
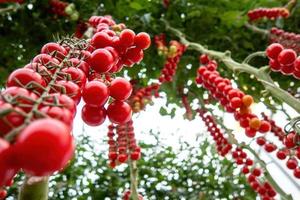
[122, 144]
[233, 100]
[223, 145]
[269, 13]
[37, 110]
[283, 60]
[161, 44]
[172, 53]
[287, 39]
[38, 106]
[176, 50]
[188, 110]
[254, 175]
[58, 7]
[291, 148]
[111, 51]
[64, 9]
[81, 28]
[143, 96]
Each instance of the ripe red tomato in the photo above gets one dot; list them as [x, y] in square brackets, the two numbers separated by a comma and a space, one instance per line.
[101, 60]
[47, 61]
[75, 62]
[275, 65]
[142, 40]
[274, 50]
[134, 55]
[297, 64]
[264, 127]
[23, 98]
[63, 100]
[6, 172]
[85, 56]
[41, 69]
[77, 75]
[287, 57]
[95, 93]
[44, 146]
[55, 50]
[204, 59]
[120, 89]
[93, 116]
[127, 37]
[291, 163]
[101, 40]
[119, 112]
[11, 119]
[23, 76]
[71, 90]
[62, 114]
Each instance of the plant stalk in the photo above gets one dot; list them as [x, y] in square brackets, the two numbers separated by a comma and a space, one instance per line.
[34, 188]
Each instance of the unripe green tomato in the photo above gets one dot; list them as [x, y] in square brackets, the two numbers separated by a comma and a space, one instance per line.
[74, 16]
[69, 10]
[173, 49]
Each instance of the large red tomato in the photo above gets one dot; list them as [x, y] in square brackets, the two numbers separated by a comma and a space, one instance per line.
[45, 146]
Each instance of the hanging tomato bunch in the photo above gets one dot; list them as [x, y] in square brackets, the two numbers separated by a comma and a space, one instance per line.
[39, 103]
[232, 99]
[269, 13]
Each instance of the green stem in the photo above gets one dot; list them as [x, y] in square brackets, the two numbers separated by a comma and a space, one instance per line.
[133, 180]
[261, 74]
[34, 188]
[253, 55]
[268, 176]
[256, 29]
[13, 8]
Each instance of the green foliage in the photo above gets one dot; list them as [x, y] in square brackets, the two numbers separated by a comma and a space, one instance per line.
[217, 24]
[163, 174]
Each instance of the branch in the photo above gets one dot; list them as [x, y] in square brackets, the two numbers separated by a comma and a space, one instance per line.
[255, 29]
[13, 8]
[261, 74]
[291, 5]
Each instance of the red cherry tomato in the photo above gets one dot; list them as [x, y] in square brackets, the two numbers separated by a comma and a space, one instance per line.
[120, 89]
[45, 146]
[93, 116]
[119, 112]
[95, 93]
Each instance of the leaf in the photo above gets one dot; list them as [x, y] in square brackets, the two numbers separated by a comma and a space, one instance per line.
[135, 5]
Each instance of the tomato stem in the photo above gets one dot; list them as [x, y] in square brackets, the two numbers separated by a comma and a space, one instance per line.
[34, 188]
